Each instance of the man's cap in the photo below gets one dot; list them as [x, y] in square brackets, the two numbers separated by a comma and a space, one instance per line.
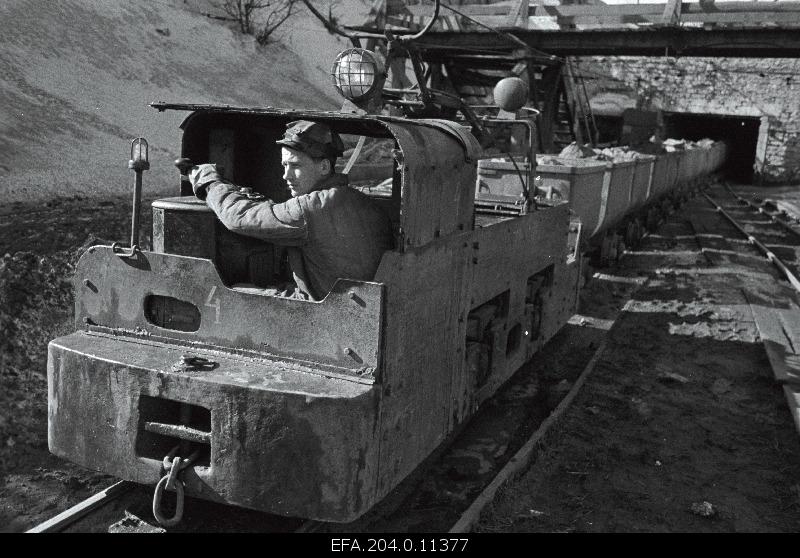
[312, 138]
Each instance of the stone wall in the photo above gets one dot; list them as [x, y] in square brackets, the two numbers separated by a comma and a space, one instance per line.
[768, 89]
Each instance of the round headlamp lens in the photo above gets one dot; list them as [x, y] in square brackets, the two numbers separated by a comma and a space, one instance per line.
[355, 73]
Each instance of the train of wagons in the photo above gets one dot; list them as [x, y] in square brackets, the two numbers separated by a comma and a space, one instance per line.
[318, 409]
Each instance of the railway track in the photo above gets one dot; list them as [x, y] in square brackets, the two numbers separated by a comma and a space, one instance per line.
[767, 229]
[449, 490]
[774, 235]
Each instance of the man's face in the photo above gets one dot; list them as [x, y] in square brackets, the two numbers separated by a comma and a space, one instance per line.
[301, 172]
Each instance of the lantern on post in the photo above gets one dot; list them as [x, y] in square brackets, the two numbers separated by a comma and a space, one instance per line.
[138, 163]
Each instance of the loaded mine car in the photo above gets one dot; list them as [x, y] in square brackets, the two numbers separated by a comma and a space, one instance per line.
[315, 409]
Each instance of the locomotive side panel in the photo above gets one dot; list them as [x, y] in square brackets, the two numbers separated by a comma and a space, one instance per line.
[435, 173]
[422, 352]
[430, 383]
[521, 265]
[425, 292]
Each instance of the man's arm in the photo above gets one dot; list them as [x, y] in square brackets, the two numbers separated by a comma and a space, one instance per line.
[282, 223]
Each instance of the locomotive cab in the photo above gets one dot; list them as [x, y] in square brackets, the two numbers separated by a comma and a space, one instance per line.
[243, 147]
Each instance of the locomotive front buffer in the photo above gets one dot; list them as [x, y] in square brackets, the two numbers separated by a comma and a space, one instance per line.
[314, 409]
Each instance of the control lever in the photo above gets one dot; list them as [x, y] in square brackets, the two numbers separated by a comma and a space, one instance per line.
[184, 164]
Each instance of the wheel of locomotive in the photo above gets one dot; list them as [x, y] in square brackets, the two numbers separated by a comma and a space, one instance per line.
[630, 233]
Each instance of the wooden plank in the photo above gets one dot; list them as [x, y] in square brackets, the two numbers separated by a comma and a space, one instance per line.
[649, 12]
[746, 13]
[752, 20]
[785, 366]
[778, 323]
[687, 9]
[672, 12]
[505, 16]
[500, 8]
[551, 77]
[655, 40]
[646, 21]
[789, 206]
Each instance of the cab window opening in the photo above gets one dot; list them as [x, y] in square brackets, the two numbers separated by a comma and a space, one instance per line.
[246, 149]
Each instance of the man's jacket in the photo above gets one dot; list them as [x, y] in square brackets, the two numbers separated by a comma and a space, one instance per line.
[333, 232]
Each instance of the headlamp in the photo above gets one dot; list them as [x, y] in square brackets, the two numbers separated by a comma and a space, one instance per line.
[357, 74]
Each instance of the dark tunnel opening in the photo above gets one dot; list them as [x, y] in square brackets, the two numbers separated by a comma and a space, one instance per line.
[740, 132]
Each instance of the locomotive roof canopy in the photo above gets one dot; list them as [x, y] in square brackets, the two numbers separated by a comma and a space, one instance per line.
[438, 165]
[372, 125]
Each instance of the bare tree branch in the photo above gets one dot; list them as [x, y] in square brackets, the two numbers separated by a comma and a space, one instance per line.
[275, 19]
[330, 22]
[242, 11]
[249, 15]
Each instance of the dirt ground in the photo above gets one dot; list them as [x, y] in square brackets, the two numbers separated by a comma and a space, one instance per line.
[679, 428]
[40, 245]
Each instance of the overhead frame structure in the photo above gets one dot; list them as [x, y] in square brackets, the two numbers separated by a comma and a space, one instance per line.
[665, 41]
[470, 46]
[729, 29]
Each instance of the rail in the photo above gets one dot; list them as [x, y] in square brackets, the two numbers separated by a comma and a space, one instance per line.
[769, 254]
[78, 511]
[527, 453]
[761, 210]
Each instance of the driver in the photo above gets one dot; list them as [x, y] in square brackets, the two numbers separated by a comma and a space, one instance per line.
[331, 230]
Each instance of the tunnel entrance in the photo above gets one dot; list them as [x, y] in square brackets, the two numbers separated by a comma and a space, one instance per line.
[741, 133]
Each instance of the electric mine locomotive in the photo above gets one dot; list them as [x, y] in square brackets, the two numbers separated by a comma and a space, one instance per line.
[304, 408]
[175, 377]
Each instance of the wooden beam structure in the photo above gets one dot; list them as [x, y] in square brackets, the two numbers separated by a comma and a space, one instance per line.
[664, 41]
[748, 14]
[728, 29]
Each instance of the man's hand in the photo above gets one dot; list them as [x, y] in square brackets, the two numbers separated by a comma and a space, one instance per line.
[200, 176]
